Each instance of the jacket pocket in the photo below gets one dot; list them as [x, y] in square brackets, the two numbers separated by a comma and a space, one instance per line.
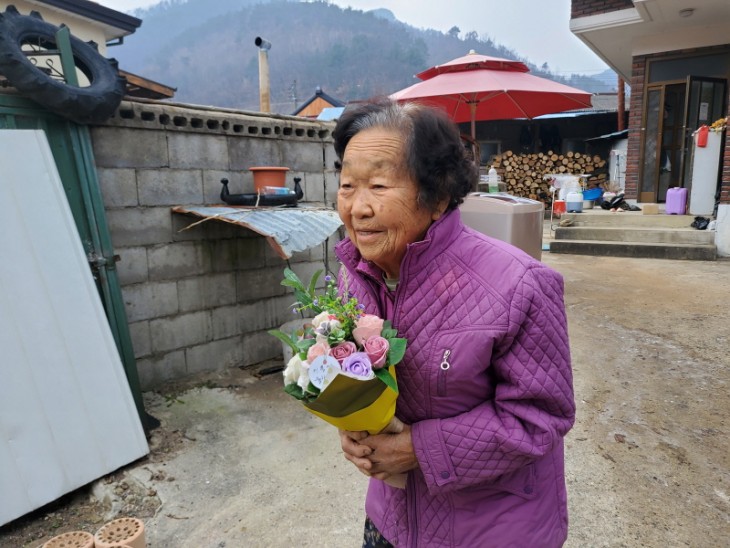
[459, 371]
[521, 483]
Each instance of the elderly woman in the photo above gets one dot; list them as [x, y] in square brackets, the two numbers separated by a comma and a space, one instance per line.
[486, 384]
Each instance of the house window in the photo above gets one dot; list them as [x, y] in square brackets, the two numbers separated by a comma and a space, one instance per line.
[488, 150]
[712, 66]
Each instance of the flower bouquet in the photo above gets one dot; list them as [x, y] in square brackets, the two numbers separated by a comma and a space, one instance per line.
[343, 367]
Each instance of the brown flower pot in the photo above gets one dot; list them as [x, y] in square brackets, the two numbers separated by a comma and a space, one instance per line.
[73, 539]
[125, 531]
[268, 176]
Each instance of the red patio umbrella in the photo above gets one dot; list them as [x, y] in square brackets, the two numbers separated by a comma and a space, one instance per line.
[478, 87]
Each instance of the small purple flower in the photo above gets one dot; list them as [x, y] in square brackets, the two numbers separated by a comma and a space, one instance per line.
[361, 306]
[328, 278]
[358, 364]
[315, 302]
[294, 311]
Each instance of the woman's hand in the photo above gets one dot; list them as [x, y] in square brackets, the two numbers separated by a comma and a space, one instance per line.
[354, 451]
[380, 456]
[390, 454]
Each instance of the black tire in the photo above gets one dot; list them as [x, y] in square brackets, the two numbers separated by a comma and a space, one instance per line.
[90, 104]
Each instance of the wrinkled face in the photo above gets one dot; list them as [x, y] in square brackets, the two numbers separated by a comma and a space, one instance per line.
[378, 202]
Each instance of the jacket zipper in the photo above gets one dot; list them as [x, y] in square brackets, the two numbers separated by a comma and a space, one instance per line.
[443, 368]
[413, 517]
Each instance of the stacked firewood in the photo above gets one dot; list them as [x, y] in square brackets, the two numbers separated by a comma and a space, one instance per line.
[524, 173]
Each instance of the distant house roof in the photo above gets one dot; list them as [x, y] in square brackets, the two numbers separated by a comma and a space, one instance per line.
[315, 104]
[606, 101]
[602, 103]
[96, 12]
[330, 113]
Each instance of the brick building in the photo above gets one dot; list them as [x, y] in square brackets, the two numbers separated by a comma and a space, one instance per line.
[676, 56]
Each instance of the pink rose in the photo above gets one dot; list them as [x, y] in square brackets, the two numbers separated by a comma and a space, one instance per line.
[317, 350]
[367, 326]
[343, 350]
[377, 350]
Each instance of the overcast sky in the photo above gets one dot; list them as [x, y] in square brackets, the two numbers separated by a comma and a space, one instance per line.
[535, 29]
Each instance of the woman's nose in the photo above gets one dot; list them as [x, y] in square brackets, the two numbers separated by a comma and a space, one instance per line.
[361, 206]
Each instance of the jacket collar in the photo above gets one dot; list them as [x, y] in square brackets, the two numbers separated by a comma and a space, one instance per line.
[439, 237]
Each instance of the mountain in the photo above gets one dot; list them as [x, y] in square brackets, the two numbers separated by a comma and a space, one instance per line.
[206, 50]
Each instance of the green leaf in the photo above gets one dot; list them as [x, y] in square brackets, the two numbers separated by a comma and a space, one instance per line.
[294, 390]
[304, 345]
[397, 350]
[388, 333]
[303, 297]
[384, 375]
[290, 275]
[286, 339]
[313, 390]
[289, 283]
[387, 324]
[313, 282]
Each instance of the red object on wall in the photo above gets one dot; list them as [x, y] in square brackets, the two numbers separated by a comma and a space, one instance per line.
[702, 136]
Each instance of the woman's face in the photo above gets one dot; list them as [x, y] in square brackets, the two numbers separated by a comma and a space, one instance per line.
[378, 202]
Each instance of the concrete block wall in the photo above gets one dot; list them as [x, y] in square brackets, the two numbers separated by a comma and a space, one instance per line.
[203, 298]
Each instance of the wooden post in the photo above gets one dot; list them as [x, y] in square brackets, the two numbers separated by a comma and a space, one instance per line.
[621, 104]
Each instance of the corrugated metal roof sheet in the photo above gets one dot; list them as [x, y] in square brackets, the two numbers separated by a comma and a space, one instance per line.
[611, 136]
[288, 230]
[330, 114]
[574, 114]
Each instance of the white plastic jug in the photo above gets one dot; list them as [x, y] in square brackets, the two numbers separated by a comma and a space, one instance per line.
[574, 202]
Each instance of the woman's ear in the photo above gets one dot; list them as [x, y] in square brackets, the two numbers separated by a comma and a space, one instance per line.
[440, 210]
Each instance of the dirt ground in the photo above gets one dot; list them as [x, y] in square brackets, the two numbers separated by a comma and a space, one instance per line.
[648, 462]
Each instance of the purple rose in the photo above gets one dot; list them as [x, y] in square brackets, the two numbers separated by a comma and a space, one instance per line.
[358, 365]
[343, 350]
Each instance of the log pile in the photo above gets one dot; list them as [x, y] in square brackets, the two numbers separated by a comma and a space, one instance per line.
[523, 173]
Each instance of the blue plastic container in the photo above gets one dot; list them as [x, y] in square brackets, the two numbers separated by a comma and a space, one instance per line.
[592, 194]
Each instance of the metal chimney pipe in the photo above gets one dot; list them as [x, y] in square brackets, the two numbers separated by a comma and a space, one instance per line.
[264, 88]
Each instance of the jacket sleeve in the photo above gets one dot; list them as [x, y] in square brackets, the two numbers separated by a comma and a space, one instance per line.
[532, 407]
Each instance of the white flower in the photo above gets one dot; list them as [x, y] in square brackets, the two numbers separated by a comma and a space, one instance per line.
[294, 369]
[319, 318]
[325, 328]
[303, 381]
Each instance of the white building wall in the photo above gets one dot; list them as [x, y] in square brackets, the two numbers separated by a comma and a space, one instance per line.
[81, 28]
[722, 230]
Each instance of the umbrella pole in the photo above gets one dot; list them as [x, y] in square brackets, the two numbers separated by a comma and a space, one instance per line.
[473, 108]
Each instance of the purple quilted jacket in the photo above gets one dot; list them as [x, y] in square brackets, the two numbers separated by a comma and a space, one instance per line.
[486, 384]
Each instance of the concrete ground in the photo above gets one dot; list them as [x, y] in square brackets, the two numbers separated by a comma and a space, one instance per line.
[237, 463]
[648, 462]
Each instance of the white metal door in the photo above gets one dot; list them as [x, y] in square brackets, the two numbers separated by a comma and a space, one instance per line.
[67, 416]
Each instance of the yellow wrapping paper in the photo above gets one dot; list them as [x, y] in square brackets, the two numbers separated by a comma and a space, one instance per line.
[355, 405]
